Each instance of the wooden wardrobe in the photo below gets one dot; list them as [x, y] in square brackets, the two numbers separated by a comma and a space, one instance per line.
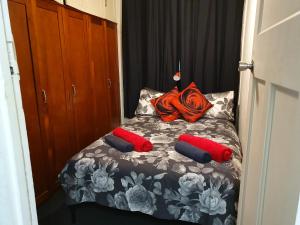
[69, 77]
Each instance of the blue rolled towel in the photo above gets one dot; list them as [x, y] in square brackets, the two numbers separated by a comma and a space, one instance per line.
[118, 143]
[192, 152]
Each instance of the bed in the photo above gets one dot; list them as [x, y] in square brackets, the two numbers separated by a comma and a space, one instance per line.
[161, 183]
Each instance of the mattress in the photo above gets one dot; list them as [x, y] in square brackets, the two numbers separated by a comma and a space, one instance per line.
[162, 182]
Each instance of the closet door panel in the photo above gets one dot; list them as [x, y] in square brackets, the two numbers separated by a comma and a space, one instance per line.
[113, 74]
[18, 18]
[80, 77]
[48, 26]
[99, 70]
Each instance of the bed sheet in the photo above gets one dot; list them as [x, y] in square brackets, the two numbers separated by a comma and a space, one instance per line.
[162, 182]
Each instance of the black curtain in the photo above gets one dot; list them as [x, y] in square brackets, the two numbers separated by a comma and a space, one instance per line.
[203, 34]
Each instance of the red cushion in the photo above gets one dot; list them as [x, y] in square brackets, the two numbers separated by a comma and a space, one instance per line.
[218, 152]
[191, 103]
[163, 106]
[140, 143]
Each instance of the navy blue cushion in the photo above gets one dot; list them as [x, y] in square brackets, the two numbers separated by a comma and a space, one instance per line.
[118, 143]
[192, 152]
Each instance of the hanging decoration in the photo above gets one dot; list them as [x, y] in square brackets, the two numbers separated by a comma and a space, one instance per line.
[177, 77]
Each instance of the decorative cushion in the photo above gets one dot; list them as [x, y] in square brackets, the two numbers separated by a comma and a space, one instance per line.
[164, 107]
[191, 103]
[223, 105]
[144, 106]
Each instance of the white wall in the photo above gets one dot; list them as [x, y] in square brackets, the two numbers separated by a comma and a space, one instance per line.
[119, 22]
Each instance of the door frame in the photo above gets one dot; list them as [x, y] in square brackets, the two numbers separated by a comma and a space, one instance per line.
[17, 198]
[245, 94]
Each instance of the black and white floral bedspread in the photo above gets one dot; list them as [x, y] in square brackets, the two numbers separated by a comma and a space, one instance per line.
[162, 182]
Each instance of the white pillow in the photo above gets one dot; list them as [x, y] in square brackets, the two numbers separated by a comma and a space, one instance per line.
[144, 106]
[222, 105]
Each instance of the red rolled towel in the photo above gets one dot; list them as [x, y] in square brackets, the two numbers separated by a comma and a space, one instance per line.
[218, 152]
[140, 144]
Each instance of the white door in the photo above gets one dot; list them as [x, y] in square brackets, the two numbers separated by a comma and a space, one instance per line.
[272, 164]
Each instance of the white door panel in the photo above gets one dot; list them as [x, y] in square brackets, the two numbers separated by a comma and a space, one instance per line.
[272, 171]
[276, 53]
[282, 158]
[254, 160]
[274, 11]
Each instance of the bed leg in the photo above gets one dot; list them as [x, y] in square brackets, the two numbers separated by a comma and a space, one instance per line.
[73, 214]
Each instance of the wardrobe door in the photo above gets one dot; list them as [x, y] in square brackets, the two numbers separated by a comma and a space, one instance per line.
[99, 68]
[113, 73]
[47, 45]
[79, 75]
[38, 155]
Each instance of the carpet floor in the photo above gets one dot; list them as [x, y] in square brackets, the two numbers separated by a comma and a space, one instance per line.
[55, 212]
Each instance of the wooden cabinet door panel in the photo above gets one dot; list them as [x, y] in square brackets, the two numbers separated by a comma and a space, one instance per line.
[50, 70]
[99, 70]
[76, 41]
[113, 74]
[18, 18]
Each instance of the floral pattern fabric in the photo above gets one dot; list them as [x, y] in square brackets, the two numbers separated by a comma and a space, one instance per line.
[144, 106]
[222, 105]
[161, 183]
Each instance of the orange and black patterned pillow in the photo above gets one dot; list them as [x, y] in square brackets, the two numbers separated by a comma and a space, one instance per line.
[191, 103]
[163, 106]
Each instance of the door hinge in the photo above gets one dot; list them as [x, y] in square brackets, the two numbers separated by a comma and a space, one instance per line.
[11, 70]
[14, 69]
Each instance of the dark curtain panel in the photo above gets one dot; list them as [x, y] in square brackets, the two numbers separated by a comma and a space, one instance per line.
[203, 34]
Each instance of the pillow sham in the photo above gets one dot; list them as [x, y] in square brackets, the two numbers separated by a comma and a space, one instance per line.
[144, 106]
[191, 103]
[164, 107]
[223, 105]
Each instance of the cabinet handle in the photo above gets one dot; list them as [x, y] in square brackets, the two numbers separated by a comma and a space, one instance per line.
[44, 94]
[74, 90]
[105, 3]
[109, 82]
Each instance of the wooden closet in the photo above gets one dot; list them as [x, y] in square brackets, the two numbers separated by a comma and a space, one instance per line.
[69, 77]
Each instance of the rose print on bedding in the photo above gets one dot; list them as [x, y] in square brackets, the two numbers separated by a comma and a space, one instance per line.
[90, 179]
[212, 202]
[230, 220]
[195, 197]
[135, 196]
[190, 183]
[140, 199]
[162, 183]
[101, 181]
[83, 166]
[120, 201]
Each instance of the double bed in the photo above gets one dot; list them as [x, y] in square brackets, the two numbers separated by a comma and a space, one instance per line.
[162, 182]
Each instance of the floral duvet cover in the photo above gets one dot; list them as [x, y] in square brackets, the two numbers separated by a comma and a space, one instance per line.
[161, 183]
